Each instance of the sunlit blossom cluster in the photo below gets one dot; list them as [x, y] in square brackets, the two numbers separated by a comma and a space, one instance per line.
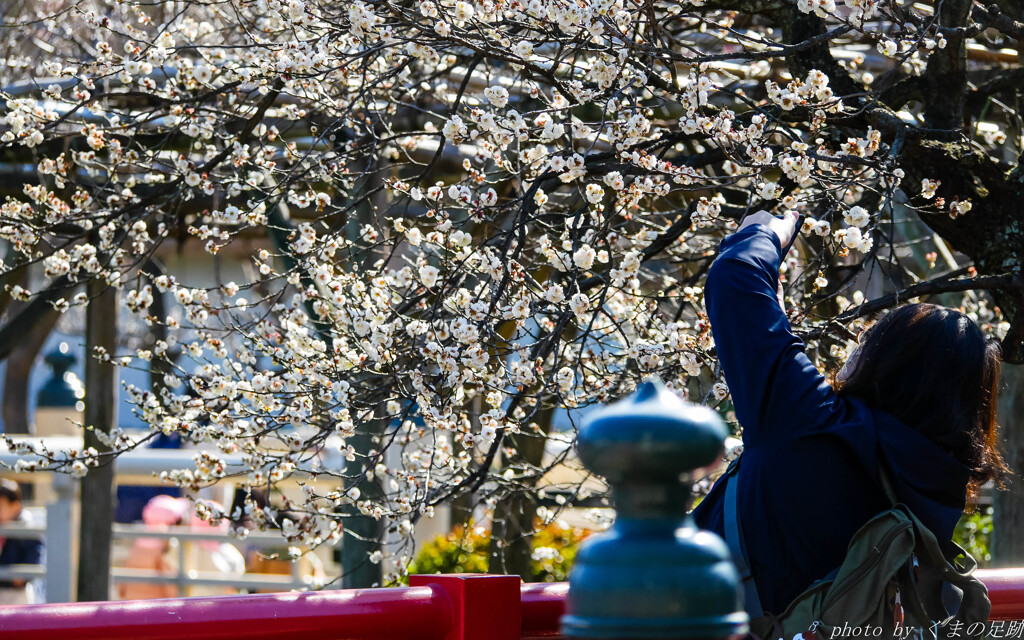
[455, 216]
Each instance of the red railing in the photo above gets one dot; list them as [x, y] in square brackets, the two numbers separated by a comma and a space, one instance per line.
[450, 607]
[1006, 591]
[542, 605]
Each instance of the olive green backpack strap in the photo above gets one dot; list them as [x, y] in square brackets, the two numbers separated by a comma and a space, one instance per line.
[892, 558]
[961, 595]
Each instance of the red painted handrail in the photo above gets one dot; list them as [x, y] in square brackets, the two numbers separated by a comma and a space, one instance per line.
[1006, 591]
[454, 607]
[542, 607]
[409, 613]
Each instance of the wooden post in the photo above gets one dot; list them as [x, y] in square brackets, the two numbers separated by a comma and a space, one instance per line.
[23, 357]
[97, 490]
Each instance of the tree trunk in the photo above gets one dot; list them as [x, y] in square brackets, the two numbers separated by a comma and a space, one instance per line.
[363, 534]
[18, 373]
[512, 536]
[97, 495]
[512, 527]
[158, 367]
[1008, 506]
[460, 508]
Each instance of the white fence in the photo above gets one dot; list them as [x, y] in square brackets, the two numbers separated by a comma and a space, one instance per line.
[183, 577]
[141, 466]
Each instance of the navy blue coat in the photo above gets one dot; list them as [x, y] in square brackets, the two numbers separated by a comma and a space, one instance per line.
[809, 477]
[19, 551]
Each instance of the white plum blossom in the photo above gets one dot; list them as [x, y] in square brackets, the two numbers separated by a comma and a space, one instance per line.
[554, 293]
[497, 96]
[579, 303]
[888, 47]
[438, 223]
[856, 217]
[855, 238]
[615, 181]
[564, 379]
[523, 49]
[428, 275]
[584, 257]
[203, 74]
[463, 11]
[959, 207]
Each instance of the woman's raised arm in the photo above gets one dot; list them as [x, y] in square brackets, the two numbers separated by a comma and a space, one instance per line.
[776, 389]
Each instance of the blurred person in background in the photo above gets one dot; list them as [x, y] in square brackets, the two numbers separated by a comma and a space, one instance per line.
[158, 555]
[154, 553]
[13, 550]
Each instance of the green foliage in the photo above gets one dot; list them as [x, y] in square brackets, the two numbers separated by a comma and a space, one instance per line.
[555, 547]
[554, 552]
[461, 551]
[466, 551]
[974, 534]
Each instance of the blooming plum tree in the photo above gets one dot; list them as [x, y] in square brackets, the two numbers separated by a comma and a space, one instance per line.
[471, 214]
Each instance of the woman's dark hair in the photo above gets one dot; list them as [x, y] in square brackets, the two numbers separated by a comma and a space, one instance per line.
[932, 368]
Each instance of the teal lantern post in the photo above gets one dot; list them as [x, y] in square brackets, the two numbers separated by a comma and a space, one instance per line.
[56, 392]
[654, 574]
[59, 401]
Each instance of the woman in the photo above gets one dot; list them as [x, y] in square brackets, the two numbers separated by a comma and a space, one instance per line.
[919, 391]
[16, 551]
[154, 554]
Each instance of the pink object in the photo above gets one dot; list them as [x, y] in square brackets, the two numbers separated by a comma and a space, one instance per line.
[416, 613]
[161, 511]
[165, 510]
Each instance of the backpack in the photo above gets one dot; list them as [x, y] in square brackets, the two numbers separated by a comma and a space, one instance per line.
[894, 583]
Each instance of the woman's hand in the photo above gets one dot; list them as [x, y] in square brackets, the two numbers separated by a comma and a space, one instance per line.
[784, 227]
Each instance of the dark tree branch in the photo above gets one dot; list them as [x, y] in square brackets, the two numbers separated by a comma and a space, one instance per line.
[901, 92]
[1009, 80]
[932, 287]
[13, 331]
[993, 17]
[1013, 343]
